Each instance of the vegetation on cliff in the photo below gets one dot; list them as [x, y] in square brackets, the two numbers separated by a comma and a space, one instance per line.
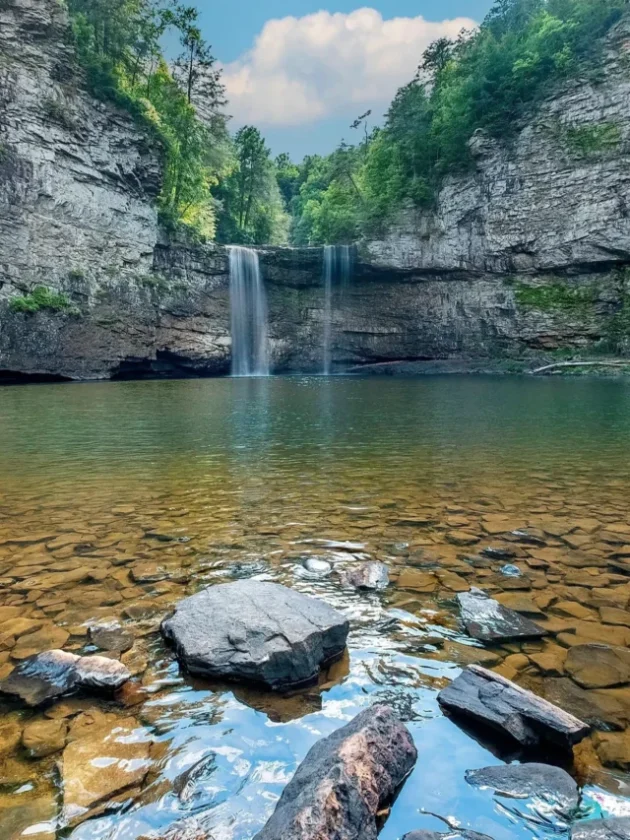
[486, 80]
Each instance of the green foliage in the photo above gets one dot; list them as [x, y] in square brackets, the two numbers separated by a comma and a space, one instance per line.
[592, 140]
[555, 296]
[76, 274]
[252, 207]
[41, 299]
[119, 44]
[487, 81]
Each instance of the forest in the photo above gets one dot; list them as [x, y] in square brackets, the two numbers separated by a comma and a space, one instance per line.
[227, 186]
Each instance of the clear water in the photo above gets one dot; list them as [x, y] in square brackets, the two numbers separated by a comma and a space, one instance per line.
[258, 474]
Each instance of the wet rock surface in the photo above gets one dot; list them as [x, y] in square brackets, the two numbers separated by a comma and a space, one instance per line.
[258, 632]
[455, 834]
[490, 699]
[598, 666]
[488, 621]
[523, 781]
[52, 674]
[345, 780]
[367, 576]
[611, 829]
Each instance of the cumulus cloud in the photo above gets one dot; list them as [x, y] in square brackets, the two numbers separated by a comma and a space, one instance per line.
[301, 70]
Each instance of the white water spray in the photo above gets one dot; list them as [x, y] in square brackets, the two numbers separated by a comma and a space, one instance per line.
[250, 332]
[337, 270]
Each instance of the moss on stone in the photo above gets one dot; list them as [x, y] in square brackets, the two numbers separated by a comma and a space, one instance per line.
[43, 299]
[556, 296]
[592, 140]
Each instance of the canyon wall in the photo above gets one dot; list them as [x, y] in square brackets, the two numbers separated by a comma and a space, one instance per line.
[527, 255]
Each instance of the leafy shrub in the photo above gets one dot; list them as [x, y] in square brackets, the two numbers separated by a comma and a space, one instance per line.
[41, 299]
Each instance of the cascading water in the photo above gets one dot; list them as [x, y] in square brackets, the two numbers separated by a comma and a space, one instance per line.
[337, 270]
[250, 334]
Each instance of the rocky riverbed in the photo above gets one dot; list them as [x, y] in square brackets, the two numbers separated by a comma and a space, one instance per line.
[119, 518]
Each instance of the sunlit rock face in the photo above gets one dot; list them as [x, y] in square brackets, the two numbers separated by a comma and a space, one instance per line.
[458, 285]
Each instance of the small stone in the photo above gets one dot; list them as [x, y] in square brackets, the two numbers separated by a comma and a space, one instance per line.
[461, 538]
[100, 673]
[498, 553]
[417, 581]
[44, 737]
[550, 661]
[511, 571]
[317, 567]
[613, 749]
[111, 637]
[369, 576]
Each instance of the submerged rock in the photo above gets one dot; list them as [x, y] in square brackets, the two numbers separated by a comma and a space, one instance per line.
[317, 567]
[111, 637]
[523, 781]
[345, 780]
[598, 666]
[492, 700]
[455, 834]
[489, 621]
[367, 576]
[57, 672]
[612, 829]
[258, 632]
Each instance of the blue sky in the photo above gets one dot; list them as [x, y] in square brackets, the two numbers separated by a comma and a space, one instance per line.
[302, 70]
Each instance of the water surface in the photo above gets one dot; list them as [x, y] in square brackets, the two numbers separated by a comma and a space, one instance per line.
[118, 500]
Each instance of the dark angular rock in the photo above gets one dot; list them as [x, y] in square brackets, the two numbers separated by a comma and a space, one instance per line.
[490, 699]
[522, 781]
[345, 780]
[488, 621]
[613, 829]
[367, 576]
[186, 785]
[501, 553]
[258, 632]
[42, 677]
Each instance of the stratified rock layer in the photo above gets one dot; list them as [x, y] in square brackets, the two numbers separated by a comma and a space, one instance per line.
[490, 699]
[256, 632]
[344, 781]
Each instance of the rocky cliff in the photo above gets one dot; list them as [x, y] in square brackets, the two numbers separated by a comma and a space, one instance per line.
[525, 255]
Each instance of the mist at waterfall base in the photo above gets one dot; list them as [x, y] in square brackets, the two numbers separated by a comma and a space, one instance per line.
[337, 270]
[250, 325]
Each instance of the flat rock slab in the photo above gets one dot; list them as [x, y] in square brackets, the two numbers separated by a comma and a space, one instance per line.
[598, 666]
[345, 780]
[57, 672]
[256, 632]
[489, 621]
[524, 781]
[492, 700]
[613, 829]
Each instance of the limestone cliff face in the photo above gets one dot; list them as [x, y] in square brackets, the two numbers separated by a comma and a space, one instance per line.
[78, 183]
[556, 198]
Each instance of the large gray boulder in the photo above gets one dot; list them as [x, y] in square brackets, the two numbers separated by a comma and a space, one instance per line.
[488, 621]
[256, 632]
[494, 701]
[345, 780]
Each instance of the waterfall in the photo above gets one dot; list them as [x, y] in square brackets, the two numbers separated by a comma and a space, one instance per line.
[250, 338]
[337, 270]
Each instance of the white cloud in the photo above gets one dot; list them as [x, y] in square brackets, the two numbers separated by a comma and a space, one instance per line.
[301, 70]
